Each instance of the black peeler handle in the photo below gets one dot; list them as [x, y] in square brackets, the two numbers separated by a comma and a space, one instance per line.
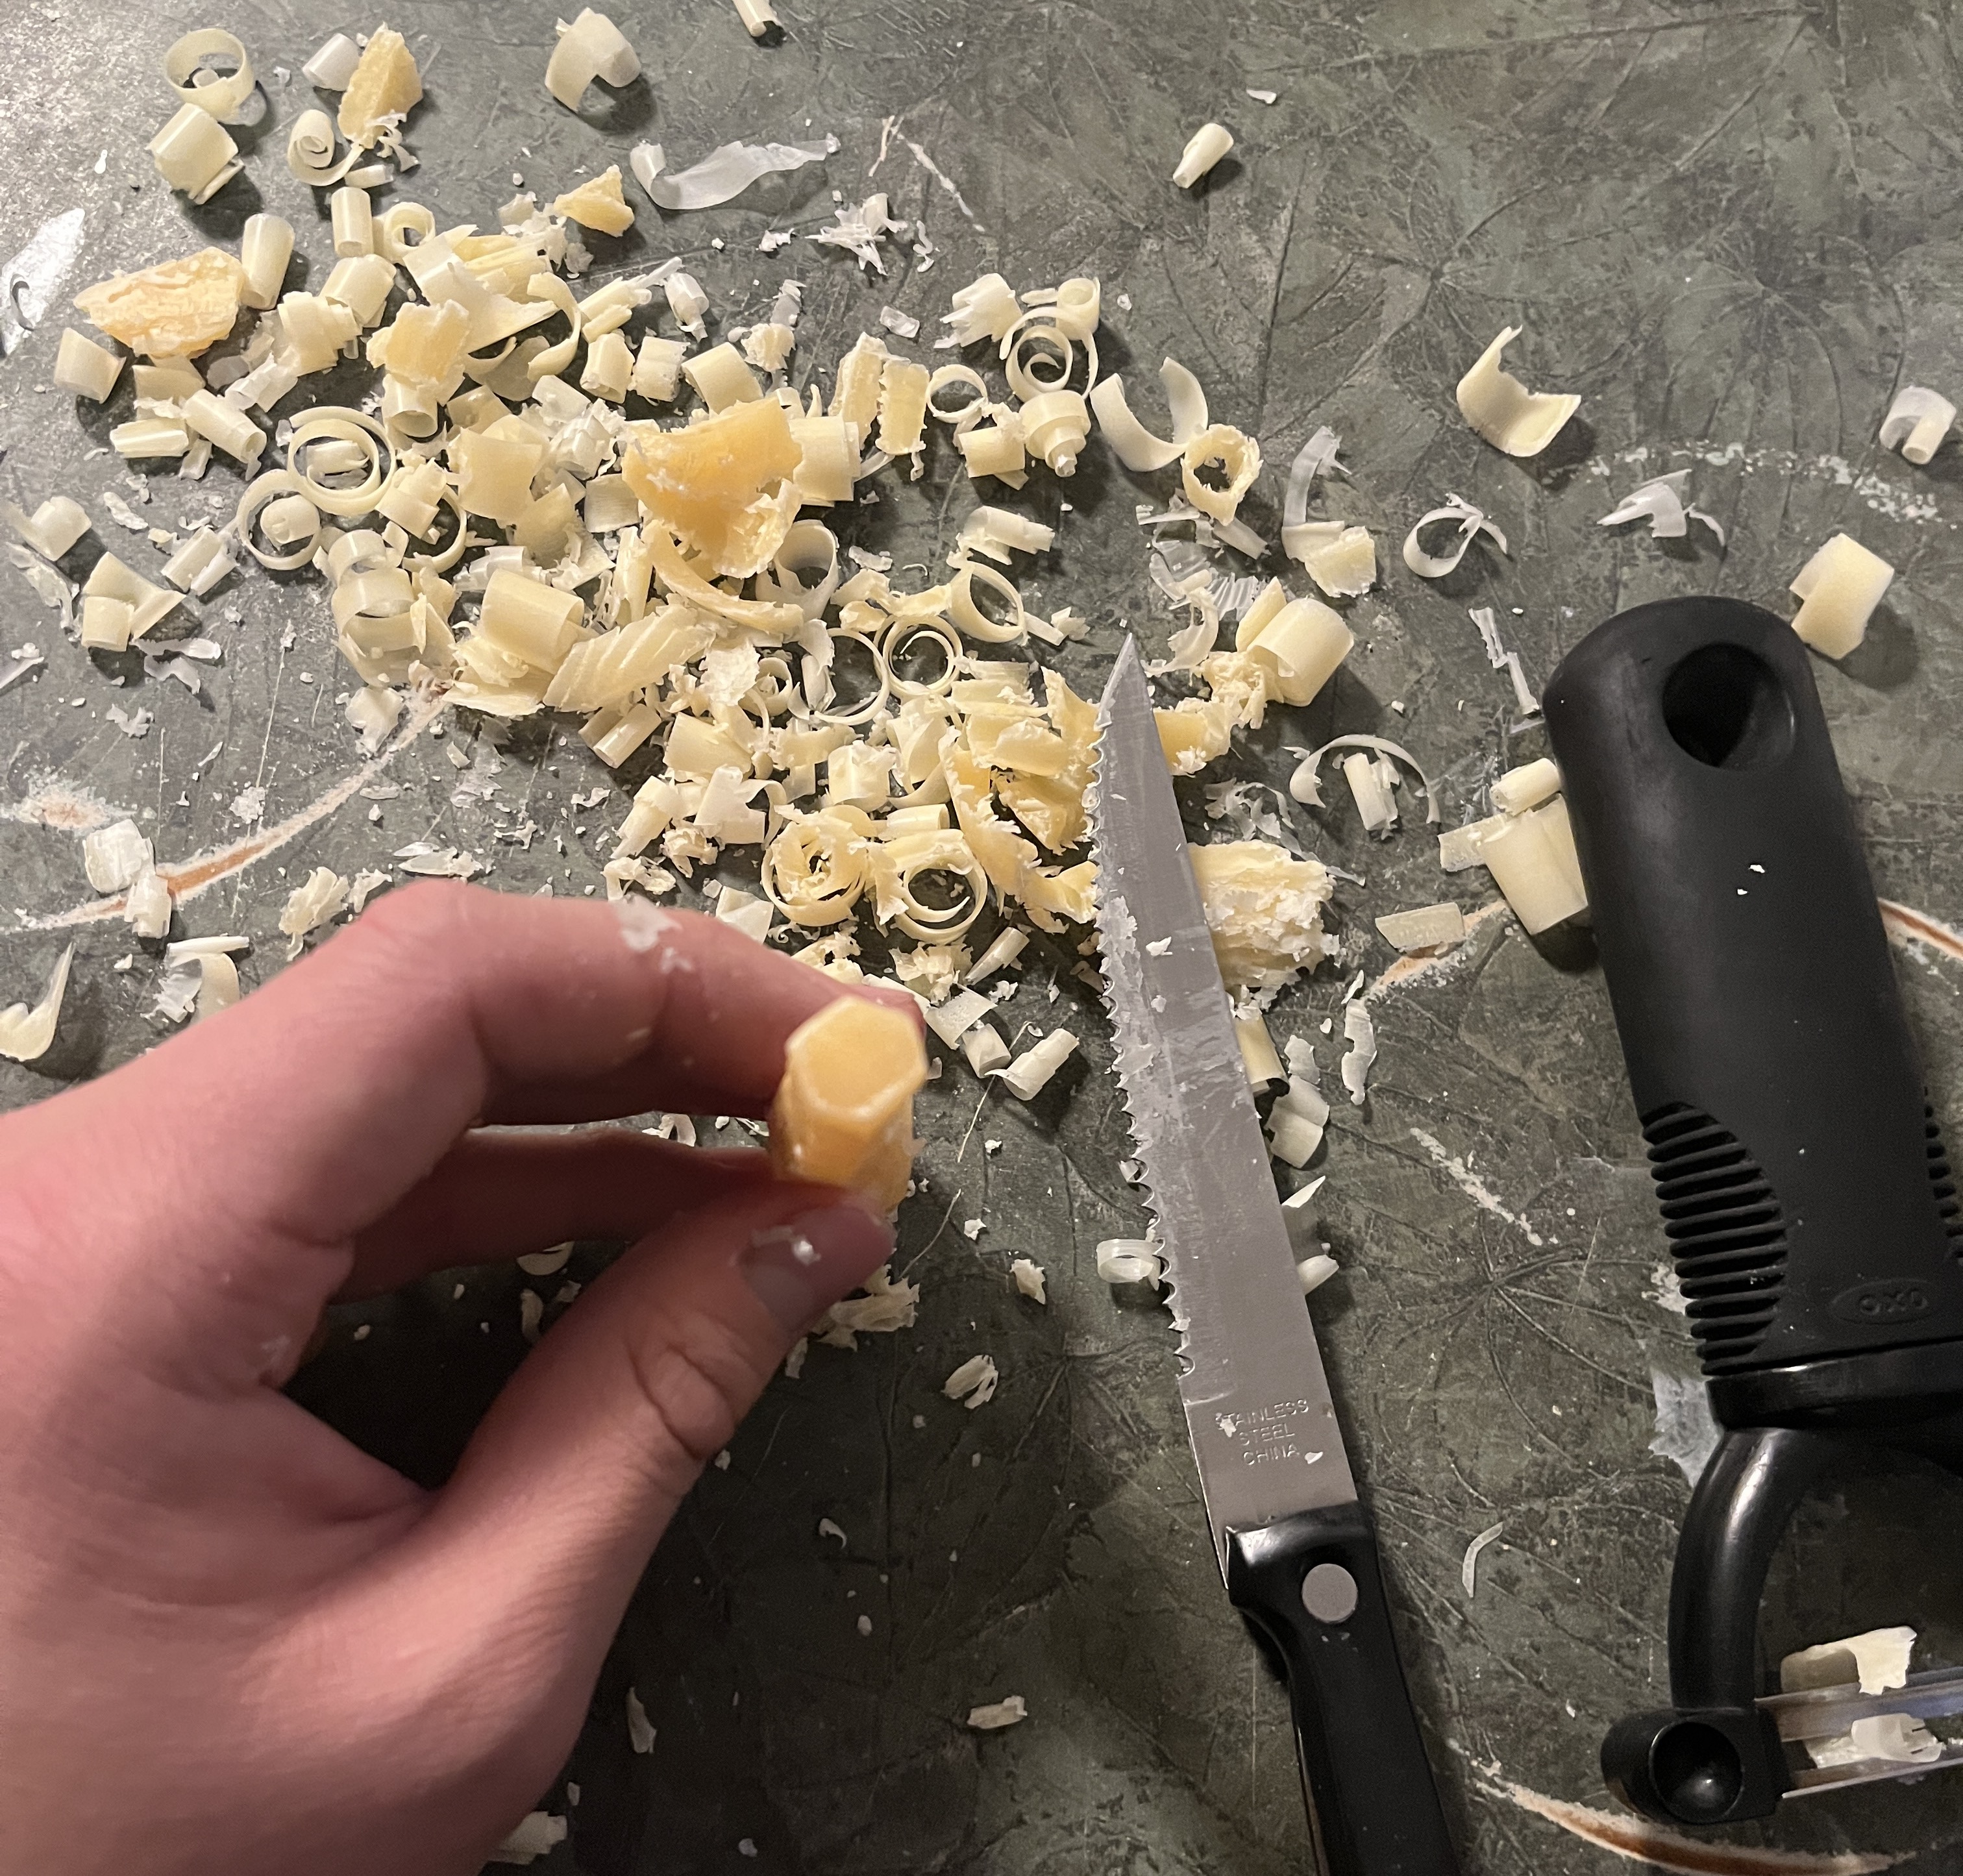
[1799, 1168]
[1806, 1193]
[1312, 1584]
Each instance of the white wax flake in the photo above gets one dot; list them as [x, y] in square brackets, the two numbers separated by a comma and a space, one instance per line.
[447, 864]
[181, 669]
[1469, 1565]
[724, 173]
[973, 1382]
[537, 1835]
[114, 856]
[1424, 927]
[1898, 1738]
[122, 514]
[864, 1625]
[320, 899]
[249, 804]
[1128, 1260]
[997, 1714]
[1501, 658]
[1248, 806]
[972, 1228]
[1029, 1279]
[640, 1729]
[1471, 523]
[1665, 1289]
[1660, 502]
[1361, 1034]
[1916, 423]
[1686, 1433]
[1299, 1200]
[1878, 1659]
[722, 1460]
[1312, 1273]
[1305, 785]
[54, 592]
[902, 324]
[1262, 97]
[1030, 1072]
[1296, 1120]
[25, 1032]
[889, 1304]
[857, 230]
[826, 1528]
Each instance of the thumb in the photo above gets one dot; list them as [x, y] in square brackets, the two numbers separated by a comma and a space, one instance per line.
[549, 1519]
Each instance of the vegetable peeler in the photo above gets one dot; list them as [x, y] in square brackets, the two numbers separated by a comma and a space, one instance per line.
[1800, 1168]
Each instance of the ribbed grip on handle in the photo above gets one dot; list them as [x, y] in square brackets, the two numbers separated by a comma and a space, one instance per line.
[1802, 1180]
[1312, 1584]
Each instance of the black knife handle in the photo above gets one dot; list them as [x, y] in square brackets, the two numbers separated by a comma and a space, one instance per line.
[1311, 1582]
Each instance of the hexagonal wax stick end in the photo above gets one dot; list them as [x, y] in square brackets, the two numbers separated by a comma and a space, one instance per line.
[843, 1111]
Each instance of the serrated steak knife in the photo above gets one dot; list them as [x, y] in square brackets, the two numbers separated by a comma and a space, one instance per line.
[1295, 1544]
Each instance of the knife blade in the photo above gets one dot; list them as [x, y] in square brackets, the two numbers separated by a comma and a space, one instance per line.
[1294, 1542]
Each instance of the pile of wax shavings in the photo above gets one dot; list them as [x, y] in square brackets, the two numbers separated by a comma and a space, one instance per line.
[547, 504]
[562, 499]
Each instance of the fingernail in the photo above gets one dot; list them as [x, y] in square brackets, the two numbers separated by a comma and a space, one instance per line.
[798, 1270]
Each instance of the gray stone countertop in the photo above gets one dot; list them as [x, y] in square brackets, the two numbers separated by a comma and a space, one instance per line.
[1735, 231]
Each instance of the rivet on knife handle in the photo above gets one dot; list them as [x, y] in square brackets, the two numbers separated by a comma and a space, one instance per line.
[1312, 1585]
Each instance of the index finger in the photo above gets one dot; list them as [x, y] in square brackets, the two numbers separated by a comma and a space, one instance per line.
[324, 1097]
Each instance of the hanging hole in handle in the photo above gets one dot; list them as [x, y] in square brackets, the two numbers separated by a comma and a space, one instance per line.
[1725, 706]
[1697, 1771]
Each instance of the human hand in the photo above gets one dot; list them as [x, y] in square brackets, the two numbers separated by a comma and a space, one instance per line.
[231, 1640]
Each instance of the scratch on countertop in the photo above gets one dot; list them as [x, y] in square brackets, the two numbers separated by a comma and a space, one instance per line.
[941, 176]
[188, 878]
[1470, 1183]
[1905, 926]
[1408, 971]
[68, 807]
[1642, 1842]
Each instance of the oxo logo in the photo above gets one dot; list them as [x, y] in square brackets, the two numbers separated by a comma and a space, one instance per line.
[1883, 1304]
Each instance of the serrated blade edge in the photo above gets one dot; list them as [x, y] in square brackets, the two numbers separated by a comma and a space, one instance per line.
[1257, 1404]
